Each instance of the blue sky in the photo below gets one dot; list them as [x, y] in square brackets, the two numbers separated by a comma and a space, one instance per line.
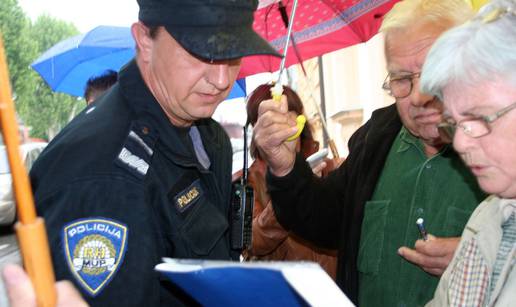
[85, 14]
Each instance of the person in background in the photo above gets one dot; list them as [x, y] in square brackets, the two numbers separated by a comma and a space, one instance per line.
[97, 85]
[23, 131]
[270, 240]
[472, 69]
[398, 170]
[146, 174]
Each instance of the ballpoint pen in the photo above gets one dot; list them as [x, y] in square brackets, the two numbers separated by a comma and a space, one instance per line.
[422, 230]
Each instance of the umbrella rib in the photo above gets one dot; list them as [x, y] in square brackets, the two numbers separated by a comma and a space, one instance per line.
[53, 69]
[269, 10]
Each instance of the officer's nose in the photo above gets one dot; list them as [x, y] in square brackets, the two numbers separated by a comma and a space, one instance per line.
[218, 75]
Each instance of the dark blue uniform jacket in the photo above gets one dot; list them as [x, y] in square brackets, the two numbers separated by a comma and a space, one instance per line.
[120, 188]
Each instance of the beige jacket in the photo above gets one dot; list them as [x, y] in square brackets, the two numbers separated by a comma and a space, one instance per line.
[484, 227]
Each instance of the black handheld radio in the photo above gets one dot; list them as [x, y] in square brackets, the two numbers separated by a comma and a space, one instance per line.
[241, 212]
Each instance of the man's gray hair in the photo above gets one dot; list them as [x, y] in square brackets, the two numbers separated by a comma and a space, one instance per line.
[444, 13]
[481, 50]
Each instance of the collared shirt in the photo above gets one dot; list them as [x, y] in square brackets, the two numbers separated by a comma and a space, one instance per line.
[508, 240]
[439, 189]
[507, 207]
[469, 280]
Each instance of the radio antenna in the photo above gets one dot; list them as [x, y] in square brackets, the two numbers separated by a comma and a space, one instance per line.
[244, 170]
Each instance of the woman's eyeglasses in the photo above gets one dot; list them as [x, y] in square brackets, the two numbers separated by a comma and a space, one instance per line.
[473, 127]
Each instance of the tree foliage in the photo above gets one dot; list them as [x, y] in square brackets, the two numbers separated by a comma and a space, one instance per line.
[19, 47]
[44, 111]
[47, 111]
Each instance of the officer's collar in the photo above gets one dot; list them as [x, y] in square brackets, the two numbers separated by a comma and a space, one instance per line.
[147, 108]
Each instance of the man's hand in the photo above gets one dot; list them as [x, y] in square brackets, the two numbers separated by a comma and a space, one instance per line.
[433, 255]
[275, 124]
[21, 293]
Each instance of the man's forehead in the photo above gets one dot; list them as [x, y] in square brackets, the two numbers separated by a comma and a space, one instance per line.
[410, 44]
[409, 54]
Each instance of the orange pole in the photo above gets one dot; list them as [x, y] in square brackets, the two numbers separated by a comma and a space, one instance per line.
[32, 236]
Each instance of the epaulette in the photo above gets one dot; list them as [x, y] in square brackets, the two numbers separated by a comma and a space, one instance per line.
[137, 150]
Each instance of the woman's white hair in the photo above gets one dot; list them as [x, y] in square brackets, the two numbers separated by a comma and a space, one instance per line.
[480, 50]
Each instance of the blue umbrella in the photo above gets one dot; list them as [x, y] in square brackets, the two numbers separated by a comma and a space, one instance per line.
[68, 65]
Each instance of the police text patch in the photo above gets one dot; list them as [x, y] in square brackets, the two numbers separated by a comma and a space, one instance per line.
[94, 250]
[188, 196]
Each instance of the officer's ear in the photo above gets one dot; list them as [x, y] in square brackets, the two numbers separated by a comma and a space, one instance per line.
[143, 39]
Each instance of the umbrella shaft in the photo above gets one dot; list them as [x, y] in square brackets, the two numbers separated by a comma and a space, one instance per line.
[287, 41]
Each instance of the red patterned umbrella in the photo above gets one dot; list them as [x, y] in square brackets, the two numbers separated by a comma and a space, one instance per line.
[320, 26]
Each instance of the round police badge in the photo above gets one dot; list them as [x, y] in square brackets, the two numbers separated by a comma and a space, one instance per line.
[94, 249]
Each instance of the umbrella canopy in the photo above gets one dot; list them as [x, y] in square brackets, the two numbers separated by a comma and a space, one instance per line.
[68, 65]
[320, 26]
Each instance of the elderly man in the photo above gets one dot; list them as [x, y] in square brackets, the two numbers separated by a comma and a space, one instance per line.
[398, 171]
[144, 173]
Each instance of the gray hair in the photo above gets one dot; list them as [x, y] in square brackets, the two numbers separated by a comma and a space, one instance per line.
[444, 13]
[478, 51]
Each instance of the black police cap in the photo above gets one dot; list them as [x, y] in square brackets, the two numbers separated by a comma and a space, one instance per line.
[210, 29]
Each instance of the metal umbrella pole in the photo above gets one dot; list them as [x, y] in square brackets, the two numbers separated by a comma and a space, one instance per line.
[287, 41]
[331, 143]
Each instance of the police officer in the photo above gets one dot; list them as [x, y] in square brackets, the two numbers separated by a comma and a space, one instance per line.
[144, 173]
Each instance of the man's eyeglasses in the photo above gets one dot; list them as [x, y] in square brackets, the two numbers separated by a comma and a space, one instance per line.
[473, 127]
[400, 86]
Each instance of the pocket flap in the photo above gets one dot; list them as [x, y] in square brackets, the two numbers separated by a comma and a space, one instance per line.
[203, 228]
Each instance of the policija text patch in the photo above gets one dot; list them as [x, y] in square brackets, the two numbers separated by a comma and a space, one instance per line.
[94, 249]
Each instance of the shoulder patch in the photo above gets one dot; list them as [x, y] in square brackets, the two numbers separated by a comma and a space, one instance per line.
[187, 197]
[94, 249]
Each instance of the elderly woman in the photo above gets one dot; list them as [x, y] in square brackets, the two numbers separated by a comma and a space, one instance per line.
[472, 69]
